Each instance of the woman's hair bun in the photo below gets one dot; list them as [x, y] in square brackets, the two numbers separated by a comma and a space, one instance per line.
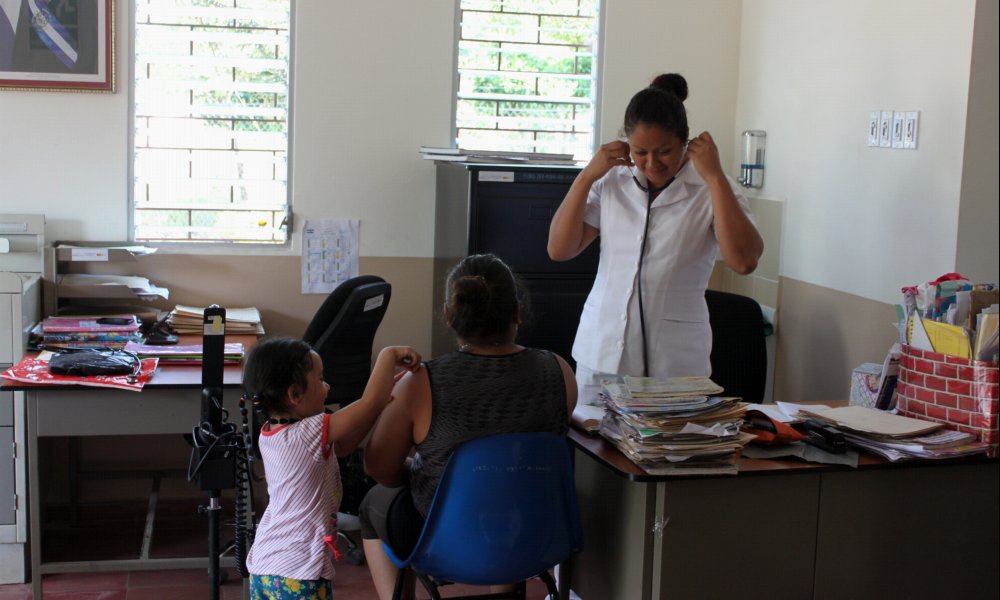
[471, 290]
[672, 83]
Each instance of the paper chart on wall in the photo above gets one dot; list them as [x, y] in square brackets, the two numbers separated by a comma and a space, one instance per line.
[329, 254]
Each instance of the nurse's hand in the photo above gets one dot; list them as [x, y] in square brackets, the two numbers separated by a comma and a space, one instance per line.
[612, 154]
[703, 152]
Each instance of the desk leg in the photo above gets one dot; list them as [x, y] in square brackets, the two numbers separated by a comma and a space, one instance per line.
[565, 575]
[34, 516]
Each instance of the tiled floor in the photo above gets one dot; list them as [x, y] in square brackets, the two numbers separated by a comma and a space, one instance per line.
[352, 583]
[114, 531]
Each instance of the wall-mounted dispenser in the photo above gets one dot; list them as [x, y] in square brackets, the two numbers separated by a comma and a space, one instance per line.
[752, 165]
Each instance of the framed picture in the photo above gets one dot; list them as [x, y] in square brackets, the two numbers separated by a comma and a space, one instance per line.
[66, 45]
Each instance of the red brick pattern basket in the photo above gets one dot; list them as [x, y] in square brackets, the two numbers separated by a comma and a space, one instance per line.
[963, 394]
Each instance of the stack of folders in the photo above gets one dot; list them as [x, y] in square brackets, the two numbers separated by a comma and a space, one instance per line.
[673, 426]
[239, 321]
[494, 156]
[896, 437]
[190, 354]
[90, 331]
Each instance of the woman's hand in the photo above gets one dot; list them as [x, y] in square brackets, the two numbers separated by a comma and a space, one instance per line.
[612, 154]
[703, 152]
[739, 240]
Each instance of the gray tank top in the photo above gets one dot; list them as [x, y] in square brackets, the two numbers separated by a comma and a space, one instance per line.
[474, 396]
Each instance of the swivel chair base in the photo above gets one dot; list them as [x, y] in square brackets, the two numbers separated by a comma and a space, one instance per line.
[348, 522]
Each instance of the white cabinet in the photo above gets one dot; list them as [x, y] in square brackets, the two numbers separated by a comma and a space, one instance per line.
[20, 298]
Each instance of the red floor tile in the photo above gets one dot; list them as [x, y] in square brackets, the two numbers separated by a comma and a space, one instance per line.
[15, 591]
[84, 582]
[88, 595]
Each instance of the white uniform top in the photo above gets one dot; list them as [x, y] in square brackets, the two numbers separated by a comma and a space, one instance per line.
[304, 489]
[679, 257]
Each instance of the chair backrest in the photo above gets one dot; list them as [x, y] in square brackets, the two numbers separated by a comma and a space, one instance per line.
[739, 353]
[342, 333]
[504, 511]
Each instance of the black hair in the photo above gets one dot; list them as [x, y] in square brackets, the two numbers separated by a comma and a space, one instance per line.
[481, 297]
[661, 104]
[271, 368]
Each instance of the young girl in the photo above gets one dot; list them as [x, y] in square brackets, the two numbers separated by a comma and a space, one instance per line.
[284, 379]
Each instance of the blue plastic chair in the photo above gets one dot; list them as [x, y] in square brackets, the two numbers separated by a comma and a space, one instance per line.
[505, 511]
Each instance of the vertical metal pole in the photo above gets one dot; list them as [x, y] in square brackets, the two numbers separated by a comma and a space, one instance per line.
[212, 362]
[214, 508]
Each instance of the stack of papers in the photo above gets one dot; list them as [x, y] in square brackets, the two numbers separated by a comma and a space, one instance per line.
[190, 354]
[89, 331]
[494, 156]
[239, 321]
[896, 437]
[672, 426]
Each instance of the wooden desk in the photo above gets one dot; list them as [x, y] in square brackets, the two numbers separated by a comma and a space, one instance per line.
[787, 529]
[168, 404]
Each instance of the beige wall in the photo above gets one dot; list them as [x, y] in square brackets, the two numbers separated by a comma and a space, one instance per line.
[979, 212]
[272, 284]
[823, 334]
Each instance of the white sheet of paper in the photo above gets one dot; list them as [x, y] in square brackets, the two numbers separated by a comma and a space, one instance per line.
[330, 250]
[790, 408]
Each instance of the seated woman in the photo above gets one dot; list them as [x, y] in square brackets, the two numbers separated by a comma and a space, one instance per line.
[489, 385]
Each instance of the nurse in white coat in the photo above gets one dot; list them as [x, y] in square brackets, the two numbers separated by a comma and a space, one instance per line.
[664, 208]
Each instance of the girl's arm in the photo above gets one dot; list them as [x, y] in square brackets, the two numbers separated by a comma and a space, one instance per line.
[348, 426]
[739, 240]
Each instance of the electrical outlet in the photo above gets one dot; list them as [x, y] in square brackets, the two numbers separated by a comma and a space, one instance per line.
[885, 129]
[873, 118]
[911, 124]
[897, 129]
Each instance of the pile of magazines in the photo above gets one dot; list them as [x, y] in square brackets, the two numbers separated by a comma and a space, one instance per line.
[96, 331]
[674, 426]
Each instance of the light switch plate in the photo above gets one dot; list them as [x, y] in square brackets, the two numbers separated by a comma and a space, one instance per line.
[885, 129]
[911, 125]
[873, 118]
[897, 128]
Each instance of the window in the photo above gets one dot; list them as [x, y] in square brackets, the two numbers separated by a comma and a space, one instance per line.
[210, 136]
[526, 73]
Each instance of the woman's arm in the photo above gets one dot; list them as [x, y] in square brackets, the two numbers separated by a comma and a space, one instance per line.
[568, 234]
[570, 379]
[739, 240]
[348, 426]
[397, 430]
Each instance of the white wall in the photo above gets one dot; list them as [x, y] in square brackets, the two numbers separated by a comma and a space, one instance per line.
[697, 38]
[368, 91]
[862, 220]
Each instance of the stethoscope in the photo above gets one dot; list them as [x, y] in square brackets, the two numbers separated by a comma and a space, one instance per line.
[651, 194]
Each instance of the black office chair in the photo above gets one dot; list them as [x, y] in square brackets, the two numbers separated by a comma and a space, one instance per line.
[739, 354]
[342, 333]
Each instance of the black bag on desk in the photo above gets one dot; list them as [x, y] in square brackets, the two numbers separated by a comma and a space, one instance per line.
[84, 362]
